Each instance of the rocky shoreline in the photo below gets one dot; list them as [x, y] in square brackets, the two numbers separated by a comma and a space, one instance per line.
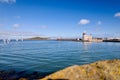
[101, 70]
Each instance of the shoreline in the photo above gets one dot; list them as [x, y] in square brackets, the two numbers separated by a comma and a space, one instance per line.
[96, 67]
[100, 70]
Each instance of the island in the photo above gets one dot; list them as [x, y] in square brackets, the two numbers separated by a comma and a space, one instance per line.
[37, 38]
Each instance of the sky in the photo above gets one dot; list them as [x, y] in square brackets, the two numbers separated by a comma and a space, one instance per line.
[59, 18]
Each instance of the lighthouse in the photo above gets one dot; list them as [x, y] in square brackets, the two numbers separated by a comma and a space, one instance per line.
[86, 38]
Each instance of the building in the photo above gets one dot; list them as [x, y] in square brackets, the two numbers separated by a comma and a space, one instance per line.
[89, 38]
[86, 38]
[97, 39]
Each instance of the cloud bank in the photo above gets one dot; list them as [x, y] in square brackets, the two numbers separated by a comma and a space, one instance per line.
[84, 21]
[16, 34]
[7, 1]
[117, 14]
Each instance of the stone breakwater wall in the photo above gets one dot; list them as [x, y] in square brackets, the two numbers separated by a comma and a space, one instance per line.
[101, 70]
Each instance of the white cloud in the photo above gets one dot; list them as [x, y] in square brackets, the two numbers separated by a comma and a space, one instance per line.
[16, 25]
[84, 21]
[7, 1]
[99, 22]
[16, 34]
[117, 14]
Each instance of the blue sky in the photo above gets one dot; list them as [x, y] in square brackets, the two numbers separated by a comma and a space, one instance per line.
[60, 18]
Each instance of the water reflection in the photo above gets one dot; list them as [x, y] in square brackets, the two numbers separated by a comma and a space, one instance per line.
[86, 46]
[41, 55]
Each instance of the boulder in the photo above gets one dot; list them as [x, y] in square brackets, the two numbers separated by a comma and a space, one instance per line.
[101, 70]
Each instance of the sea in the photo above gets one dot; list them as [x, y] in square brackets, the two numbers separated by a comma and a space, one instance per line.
[51, 56]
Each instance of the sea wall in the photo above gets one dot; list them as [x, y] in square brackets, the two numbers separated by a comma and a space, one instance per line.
[101, 70]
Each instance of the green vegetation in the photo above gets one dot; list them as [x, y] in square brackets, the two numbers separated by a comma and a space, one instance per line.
[37, 38]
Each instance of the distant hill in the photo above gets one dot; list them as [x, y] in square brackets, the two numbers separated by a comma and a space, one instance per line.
[37, 38]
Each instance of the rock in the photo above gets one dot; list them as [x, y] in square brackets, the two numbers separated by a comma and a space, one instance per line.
[7, 75]
[101, 70]
[23, 79]
[21, 74]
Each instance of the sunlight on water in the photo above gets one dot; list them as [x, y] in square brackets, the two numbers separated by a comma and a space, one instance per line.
[50, 56]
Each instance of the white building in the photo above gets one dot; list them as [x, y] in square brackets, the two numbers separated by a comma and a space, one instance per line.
[87, 38]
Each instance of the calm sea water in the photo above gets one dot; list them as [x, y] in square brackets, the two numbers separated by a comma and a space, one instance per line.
[50, 56]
